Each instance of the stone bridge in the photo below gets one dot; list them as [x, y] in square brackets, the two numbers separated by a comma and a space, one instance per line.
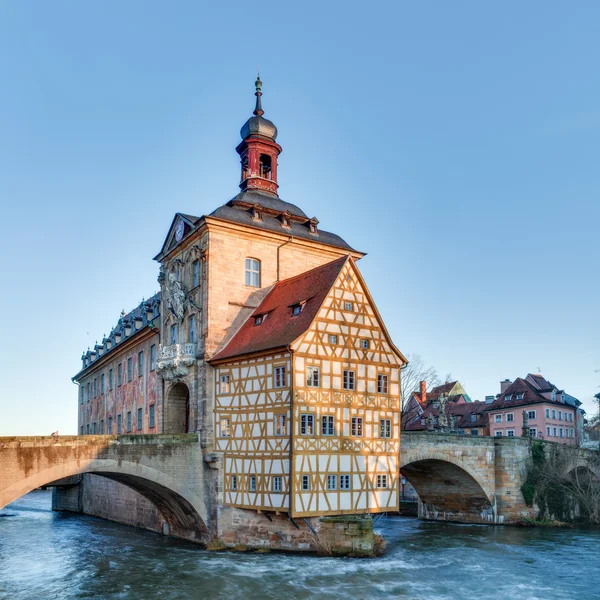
[466, 479]
[168, 470]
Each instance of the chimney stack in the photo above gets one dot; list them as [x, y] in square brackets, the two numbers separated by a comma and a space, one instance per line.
[423, 393]
[504, 385]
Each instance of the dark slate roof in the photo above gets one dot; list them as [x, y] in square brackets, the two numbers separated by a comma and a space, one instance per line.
[236, 212]
[140, 312]
[462, 411]
[280, 328]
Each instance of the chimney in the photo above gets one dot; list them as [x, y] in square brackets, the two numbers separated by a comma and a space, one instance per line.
[423, 393]
[504, 385]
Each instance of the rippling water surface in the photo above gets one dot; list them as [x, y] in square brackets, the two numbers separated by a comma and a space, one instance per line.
[46, 555]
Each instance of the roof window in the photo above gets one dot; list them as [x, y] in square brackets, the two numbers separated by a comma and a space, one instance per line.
[520, 396]
[508, 398]
[297, 309]
[259, 319]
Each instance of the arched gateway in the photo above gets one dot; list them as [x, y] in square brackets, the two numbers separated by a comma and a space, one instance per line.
[177, 409]
[151, 465]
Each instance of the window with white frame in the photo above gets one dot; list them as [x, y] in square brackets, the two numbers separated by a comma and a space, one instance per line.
[560, 415]
[510, 417]
[277, 483]
[385, 428]
[313, 376]
[382, 384]
[305, 483]
[498, 433]
[280, 424]
[382, 481]
[553, 414]
[498, 418]
[510, 433]
[225, 427]
[252, 483]
[365, 344]
[252, 272]
[547, 431]
[280, 377]
[555, 432]
[224, 384]
[348, 380]
[344, 482]
[357, 426]
[531, 414]
[520, 396]
[327, 425]
[533, 432]
[348, 306]
[234, 482]
[307, 424]
[332, 482]
[508, 398]
[547, 413]
[333, 339]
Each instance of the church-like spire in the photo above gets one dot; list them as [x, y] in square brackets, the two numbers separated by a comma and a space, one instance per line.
[258, 111]
[259, 150]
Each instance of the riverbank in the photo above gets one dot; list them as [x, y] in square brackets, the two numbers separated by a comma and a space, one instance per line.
[84, 557]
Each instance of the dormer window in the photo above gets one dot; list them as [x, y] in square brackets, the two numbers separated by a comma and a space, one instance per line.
[296, 309]
[259, 319]
[520, 396]
[286, 220]
[257, 212]
[312, 226]
[508, 398]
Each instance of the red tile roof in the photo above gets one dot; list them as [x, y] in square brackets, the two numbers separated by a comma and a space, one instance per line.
[280, 328]
[462, 411]
[531, 395]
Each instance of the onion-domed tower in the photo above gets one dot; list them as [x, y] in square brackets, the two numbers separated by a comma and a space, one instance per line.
[258, 150]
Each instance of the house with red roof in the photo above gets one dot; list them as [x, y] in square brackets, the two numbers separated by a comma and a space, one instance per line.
[534, 406]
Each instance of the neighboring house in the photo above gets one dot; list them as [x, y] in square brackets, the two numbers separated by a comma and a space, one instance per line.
[552, 414]
[471, 418]
[421, 403]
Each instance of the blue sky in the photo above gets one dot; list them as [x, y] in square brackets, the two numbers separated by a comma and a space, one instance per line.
[456, 142]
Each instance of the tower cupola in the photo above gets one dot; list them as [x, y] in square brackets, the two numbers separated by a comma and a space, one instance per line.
[258, 150]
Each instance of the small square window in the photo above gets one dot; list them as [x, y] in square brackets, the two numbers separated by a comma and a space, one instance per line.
[531, 414]
[307, 424]
[385, 429]
[510, 433]
[348, 306]
[327, 425]
[312, 376]
[498, 434]
[333, 339]
[344, 482]
[365, 344]
[520, 396]
[225, 427]
[357, 426]
[382, 481]
[508, 398]
[348, 380]
[277, 483]
[305, 483]
[498, 418]
[332, 482]
[280, 424]
[296, 310]
[224, 384]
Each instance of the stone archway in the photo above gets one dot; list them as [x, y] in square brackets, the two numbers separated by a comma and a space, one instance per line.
[177, 409]
[447, 492]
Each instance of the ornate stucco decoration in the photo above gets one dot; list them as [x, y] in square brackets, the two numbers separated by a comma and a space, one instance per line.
[175, 297]
[174, 361]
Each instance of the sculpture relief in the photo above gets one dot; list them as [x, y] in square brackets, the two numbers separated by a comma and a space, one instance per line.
[176, 297]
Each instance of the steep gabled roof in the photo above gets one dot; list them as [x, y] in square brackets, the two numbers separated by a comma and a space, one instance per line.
[190, 222]
[531, 395]
[462, 411]
[279, 327]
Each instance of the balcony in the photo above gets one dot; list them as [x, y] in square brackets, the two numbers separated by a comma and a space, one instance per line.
[174, 360]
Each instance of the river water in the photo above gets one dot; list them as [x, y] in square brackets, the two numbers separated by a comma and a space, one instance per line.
[46, 555]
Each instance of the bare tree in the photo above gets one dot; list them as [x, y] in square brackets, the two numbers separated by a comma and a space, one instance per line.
[411, 377]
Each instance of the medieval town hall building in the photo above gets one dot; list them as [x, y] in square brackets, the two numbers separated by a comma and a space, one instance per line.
[265, 341]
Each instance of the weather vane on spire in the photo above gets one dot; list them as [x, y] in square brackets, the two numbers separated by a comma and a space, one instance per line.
[258, 111]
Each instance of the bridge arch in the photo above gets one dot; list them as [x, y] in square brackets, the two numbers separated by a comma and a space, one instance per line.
[448, 488]
[184, 511]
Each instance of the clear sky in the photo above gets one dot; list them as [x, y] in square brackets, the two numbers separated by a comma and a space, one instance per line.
[456, 142]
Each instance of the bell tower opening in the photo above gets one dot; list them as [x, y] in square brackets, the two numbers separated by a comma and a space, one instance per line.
[265, 166]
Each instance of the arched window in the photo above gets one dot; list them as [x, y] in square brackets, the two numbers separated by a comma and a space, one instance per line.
[253, 272]
[265, 166]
